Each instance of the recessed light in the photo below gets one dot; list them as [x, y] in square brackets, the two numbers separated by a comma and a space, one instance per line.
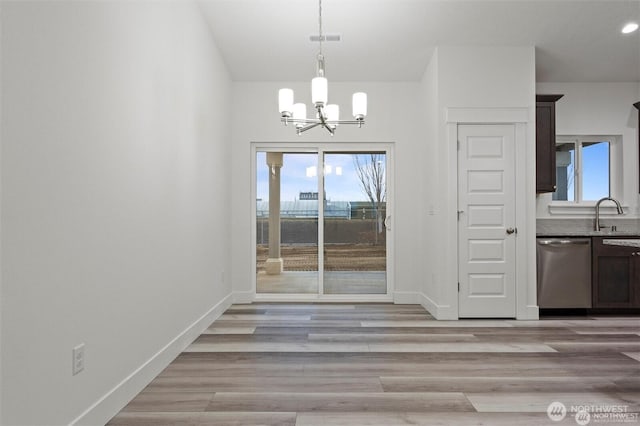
[629, 28]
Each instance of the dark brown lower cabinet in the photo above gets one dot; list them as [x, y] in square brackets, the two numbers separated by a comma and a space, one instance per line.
[615, 275]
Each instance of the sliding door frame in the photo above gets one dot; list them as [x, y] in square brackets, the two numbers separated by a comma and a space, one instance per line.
[321, 149]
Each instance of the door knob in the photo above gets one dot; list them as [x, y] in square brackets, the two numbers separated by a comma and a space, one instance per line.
[511, 231]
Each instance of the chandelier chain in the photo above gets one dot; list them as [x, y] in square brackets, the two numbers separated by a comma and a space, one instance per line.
[320, 24]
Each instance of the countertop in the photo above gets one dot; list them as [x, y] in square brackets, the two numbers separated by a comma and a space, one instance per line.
[584, 228]
[585, 233]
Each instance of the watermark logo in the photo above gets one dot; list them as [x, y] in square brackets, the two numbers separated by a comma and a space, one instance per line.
[583, 417]
[556, 411]
[587, 414]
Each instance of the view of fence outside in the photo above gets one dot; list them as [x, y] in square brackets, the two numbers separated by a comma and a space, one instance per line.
[350, 245]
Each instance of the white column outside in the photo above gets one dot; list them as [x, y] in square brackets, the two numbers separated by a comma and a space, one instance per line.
[274, 264]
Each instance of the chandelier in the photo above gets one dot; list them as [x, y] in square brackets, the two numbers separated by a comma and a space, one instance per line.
[327, 115]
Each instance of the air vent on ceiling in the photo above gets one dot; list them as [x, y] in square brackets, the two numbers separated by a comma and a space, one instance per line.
[326, 37]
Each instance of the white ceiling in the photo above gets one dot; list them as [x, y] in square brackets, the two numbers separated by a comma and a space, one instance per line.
[392, 40]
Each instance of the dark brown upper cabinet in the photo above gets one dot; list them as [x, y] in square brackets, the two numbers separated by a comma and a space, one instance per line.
[546, 143]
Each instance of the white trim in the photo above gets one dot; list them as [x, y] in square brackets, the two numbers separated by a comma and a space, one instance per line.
[101, 411]
[243, 297]
[439, 312]
[528, 232]
[431, 306]
[253, 234]
[522, 119]
[450, 279]
[407, 297]
[531, 312]
[569, 208]
[487, 115]
[616, 173]
[1, 251]
[322, 298]
[321, 148]
[525, 224]
[320, 164]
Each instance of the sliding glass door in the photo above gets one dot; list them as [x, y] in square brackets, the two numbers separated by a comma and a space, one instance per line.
[355, 243]
[286, 222]
[321, 222]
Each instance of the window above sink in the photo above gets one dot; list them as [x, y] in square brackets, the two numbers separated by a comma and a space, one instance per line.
[588, 167]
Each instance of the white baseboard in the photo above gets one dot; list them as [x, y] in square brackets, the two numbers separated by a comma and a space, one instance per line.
[243, 297]
[439, 312]
[446, 313]
[324, 298]
[407, 297]
[429, 305]
[532, 312]
[113, 401]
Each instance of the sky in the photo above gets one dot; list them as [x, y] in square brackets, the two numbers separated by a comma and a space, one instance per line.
[341, 180]
[595, 172]
[342, 183]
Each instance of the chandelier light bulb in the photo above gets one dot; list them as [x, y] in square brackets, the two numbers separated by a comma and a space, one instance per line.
[285, 102]
[319, 91]
[359, 105]
[333, 112]
[299, 113]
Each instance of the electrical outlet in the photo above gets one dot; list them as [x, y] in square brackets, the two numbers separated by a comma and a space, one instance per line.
[77, 359]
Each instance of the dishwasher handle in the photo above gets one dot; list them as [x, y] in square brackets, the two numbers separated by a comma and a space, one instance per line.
[563, 242]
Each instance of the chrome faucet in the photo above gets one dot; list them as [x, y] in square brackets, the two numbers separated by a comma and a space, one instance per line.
[618, 207]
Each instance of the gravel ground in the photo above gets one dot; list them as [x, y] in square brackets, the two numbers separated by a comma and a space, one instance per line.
[337, 257]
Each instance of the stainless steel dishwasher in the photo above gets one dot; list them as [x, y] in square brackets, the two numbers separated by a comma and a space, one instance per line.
[564, 272]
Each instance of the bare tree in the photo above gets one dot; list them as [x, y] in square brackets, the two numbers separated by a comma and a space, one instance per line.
[370, 169]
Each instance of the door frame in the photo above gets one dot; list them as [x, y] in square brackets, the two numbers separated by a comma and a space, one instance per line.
[523, 120]
[321, 148]
[487, 306]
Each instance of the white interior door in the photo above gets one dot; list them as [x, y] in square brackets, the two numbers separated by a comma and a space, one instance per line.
[486, 221]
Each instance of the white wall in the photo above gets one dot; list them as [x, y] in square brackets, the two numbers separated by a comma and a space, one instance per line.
[393, 117]
[474, 77]
[429, 111]
[1, 232]
[413, 115]
[115, 187]
[599, 109]
[486, 76]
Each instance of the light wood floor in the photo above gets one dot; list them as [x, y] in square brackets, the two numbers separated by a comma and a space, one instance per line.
[382, 364]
